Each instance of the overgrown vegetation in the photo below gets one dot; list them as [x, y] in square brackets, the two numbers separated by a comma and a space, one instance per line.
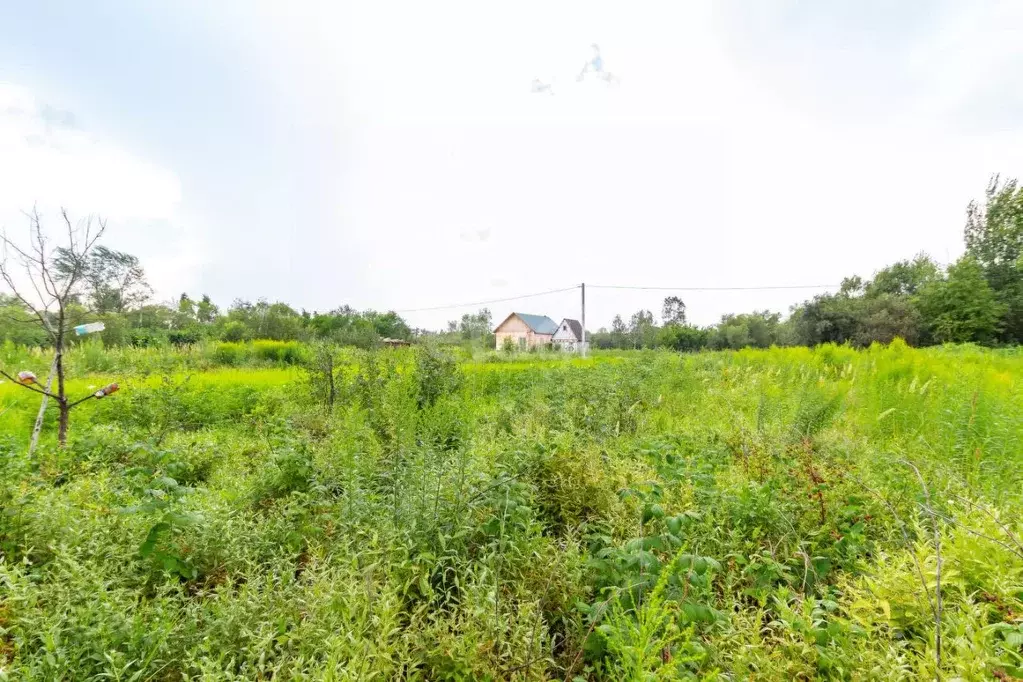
[777, 514]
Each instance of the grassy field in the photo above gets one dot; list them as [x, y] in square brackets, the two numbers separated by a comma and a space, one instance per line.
[776, 515]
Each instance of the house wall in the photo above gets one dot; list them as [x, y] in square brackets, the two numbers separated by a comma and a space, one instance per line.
[564, 338]
[564, 333]
[520, 334]
[542, 339]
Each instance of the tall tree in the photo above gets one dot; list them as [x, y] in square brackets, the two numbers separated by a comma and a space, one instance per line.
[904, 278]
[886, 316]
[758, 329]
[476, 325]
[618, 332]
[642, 329]
[186, 306]
[265, 320]
[962, 307]
[673, 311]
[206, 311]
[113, 281]
[827, 318]
[391, 325]
[994, 238]
[851, 286]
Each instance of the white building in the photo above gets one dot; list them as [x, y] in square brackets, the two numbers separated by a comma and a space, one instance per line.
[569, 335]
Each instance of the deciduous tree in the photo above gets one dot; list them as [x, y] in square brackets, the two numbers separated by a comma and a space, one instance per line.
[994, 238]
[673, 311]
[904, 278]
[642, 329]
[112, 281]
[963, 306]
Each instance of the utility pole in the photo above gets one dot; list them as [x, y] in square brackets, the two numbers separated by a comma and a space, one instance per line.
[583, 347]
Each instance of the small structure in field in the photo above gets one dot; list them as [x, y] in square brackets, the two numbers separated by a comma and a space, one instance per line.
[569, 335]
[394, 343]
[525, 330]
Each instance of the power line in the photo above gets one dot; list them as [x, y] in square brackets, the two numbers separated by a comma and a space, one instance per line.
[493, 300]
[758, 288]
[616, 286]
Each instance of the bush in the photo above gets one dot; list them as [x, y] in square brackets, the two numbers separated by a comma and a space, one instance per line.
[438, 374]
[684, 338]
[229, 353]
[234, 331]
[184, 337]
[630, 516]
[283, 352]
[146, 338]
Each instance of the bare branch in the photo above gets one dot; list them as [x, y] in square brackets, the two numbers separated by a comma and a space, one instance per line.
[43, 301]
[81, 400]
[79, 250]
[73, 277]
[6, 275]
[28, 386]
[40, 261]
[70, 229]
[33, 270]
[19, 320]
[8, 243]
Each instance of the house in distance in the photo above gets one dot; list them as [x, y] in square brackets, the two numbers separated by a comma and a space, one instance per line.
[569, 335]
[524, 330]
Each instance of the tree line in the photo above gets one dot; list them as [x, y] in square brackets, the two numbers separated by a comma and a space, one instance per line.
[192, 321]
[110, 286]
[977, 299]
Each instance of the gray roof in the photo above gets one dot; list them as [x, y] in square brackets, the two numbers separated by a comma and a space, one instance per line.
[540, 324]
[576, 328]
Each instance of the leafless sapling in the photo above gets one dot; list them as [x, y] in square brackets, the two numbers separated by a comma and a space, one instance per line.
[46, 281]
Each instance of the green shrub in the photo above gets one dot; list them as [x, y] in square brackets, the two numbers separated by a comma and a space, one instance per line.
[184, 337]
[281, 352]
[234, 331]
[627, 516]
[230, 354]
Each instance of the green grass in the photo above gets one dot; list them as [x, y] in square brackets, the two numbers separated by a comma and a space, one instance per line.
[630, 516]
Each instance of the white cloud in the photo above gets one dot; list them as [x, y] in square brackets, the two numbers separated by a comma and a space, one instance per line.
[747, 144]
[792, 145]
[53, 164]
[47, 161]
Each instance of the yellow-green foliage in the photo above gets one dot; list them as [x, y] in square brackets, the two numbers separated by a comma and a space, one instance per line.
[751, 514]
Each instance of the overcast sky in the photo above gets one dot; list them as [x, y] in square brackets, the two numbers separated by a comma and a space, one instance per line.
[392, 155]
